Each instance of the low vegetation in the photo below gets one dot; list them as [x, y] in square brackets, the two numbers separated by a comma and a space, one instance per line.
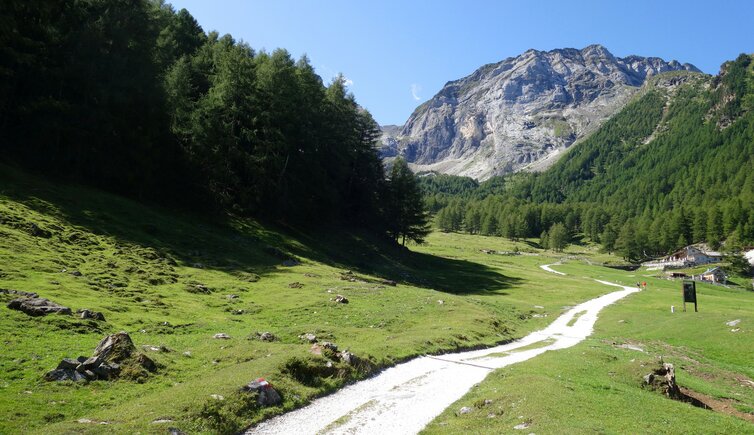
[578, 388]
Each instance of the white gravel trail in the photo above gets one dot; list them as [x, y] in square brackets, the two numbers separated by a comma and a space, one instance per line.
[549, 269]
[404, 398]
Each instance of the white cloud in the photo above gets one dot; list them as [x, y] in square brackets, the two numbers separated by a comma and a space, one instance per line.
[415, 89]
[347, 82]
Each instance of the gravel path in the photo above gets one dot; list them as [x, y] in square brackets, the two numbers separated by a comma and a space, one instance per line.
[551, 270]
[404, 398]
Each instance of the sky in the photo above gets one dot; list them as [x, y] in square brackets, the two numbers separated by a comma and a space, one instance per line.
[398, 54]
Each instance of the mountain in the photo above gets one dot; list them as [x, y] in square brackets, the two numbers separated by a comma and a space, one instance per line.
[675, 166]
[520, 113]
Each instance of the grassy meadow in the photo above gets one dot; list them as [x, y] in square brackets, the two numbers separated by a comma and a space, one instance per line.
[173, 281]
[596, 386]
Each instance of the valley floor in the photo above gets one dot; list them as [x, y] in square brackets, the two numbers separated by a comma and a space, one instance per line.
[173, 282]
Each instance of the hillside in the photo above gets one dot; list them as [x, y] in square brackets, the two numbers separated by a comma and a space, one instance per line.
[173, 281]
[522, 112]
[675, 166]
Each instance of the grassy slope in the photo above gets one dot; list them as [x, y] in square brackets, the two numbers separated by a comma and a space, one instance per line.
[137, 263]
[596, 385]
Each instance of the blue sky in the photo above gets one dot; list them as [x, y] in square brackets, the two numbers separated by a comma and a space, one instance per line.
[398, 54]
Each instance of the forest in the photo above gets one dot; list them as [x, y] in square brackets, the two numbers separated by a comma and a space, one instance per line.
[136, 98]
[674, 167]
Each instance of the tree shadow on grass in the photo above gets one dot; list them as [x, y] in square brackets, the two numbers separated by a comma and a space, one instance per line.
[378, 256]
[238, 245]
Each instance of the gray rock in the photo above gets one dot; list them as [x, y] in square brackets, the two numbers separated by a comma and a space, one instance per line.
[266, 394]
[146, 362]
[520, 113]
[464, 410]
[341, 299]
[64, 375]
[115, 347]
[68, 364]
[37, 306]
[266, 336]
[107, 371]
[88, 314]
[221, 336]
[311, 338]
[92, 363]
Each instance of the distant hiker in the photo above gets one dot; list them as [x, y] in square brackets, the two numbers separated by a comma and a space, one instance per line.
[644, 285]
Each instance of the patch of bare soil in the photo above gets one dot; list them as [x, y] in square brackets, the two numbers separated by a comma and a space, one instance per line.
[725, 406]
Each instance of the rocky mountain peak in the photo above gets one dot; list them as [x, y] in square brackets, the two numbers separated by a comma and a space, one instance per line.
[521, 112]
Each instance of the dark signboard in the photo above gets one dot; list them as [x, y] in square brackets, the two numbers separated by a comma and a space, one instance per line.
[689, 294]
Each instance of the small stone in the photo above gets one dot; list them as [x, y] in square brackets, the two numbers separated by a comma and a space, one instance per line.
[266, 394]
[311, 338]
[341, 299]
[487, 402]
[76, 273]
[187, 353]
[146, 362]
[162, 420]
[232, 296]
[217, 397]
[464, 410]
[733, 322]
[266, 336]
[491, 415]
[440, 301]
[221, 336]
[295, 285]
[521, 426]
[83, 421]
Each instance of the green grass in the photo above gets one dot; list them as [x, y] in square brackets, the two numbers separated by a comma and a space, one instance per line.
[596, 386]
[140, 266]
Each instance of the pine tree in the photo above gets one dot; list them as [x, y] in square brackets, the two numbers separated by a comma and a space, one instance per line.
[404, 206]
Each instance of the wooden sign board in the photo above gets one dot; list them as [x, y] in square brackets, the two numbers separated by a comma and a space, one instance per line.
[689, 294]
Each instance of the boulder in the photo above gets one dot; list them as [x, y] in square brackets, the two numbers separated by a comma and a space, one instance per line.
[115, 347]
[64, 375]
[88, 314]
[389, 282]
[91, 363]
[107, 371]
[146, 362]
[68, 364]
[266, 394]
[37, 306]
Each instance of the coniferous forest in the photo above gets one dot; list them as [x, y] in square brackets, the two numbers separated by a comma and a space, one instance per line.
[135, 97]
[674, 167]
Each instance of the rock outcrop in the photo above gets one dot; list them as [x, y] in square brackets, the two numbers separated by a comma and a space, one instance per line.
[36, 306]
[110, 356]
[520, 113]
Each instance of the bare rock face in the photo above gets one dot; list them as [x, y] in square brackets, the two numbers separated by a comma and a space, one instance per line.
[520, 113]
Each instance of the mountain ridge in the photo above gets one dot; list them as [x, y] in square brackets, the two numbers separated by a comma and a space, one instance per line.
[506, 116]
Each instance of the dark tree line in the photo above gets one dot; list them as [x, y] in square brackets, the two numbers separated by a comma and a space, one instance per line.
[667, 171]
[134, 97]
